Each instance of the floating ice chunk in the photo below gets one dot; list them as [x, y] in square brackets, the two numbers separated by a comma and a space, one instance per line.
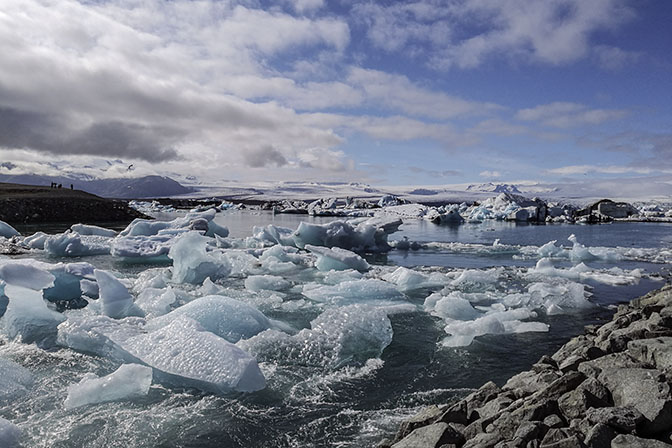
[7, 231]
[551, 250]
[85, 229]
[226, 317]
[151, 278]
[98, 335]
[451, 307]
[15, 380]
[192, 263]
[579, 252]
[36, 240]
[478, 276]
[127, 382]
[341, 336]
[117, 301]
[282, 260]
[26, 276]
[27, 316]
[353, 291]
[145, 248]
[409, 280]
[337, 259]
[273, 234]
[72, 244]
[462, 333]
[9, 434]
[268, 282]
[358, 234]
[216, 229]
[183, 354]
[556, 298]
[209, 288]
[191, 221]
[156, 302]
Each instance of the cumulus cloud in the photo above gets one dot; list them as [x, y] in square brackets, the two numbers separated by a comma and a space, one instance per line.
[490, 174]
[265, 156]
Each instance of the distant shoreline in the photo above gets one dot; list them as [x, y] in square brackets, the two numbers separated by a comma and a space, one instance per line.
[32, 204]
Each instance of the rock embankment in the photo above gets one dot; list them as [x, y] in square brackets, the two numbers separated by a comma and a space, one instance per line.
[27, 204]
[610, 387]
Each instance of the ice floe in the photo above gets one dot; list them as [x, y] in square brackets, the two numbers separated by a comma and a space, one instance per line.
[127, 382]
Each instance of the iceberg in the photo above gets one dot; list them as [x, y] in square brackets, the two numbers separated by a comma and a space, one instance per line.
[7, 231]
[27, 316]
[145, 249]
[155, 301]
[72, 244]
[266, 282]
[366, 234]
[410, 280]
[365, 290]
[127, 382]
[192, 263]
[338, 337]
[26, 276]
[117, 301]
[36, 240]
[184, 355]
[85, 229]
[337, 259]
[226, 317]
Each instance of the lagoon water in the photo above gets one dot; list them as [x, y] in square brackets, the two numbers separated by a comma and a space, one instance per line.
[349, 405]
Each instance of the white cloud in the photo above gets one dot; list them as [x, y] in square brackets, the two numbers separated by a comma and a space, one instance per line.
[490, 174]
[614, 58]
[599, 169]
[566, 115]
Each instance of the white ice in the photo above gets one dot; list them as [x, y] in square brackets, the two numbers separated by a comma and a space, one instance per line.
[355, 291]
[36, 240]
[127, 382]
[183, 354]
[365, 234]
[87, 229]
[26, 276]
[409, 280]
[27, 316]
[72, 244]
[7, 231]
[226, 317]
[337, 259]
[156, 301]
[266, 282]
[117, 301]
[192, 263]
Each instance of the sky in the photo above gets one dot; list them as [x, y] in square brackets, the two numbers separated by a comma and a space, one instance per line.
[386, 92]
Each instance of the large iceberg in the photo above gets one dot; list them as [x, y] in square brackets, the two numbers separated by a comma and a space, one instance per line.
[127, 382]
[185, 355]
[226, 317]
[360, 235]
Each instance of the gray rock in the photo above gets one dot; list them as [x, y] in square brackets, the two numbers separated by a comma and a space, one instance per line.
[630, 441]
[562, 385]
[529, 431]
[645, 390]
[561, 438]
[571, 363]
[600, 436]
[483, 440]
[527, 383]
[494, 407]
[589, 394]
[431, 436]
[425, 417]
[615, 360]
[456, 413]
[554, 421]
[576, 346]
[623, 419]
[657, 352]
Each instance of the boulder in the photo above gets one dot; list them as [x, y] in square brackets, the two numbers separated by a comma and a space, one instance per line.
[622, 419]
[656, 352]
[425, 417]
[630, 441]
[431, 436]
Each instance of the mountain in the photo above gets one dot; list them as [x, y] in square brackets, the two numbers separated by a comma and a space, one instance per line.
[121, 188]
[494, 188]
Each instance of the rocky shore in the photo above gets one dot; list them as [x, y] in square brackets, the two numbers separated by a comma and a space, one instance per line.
[27, 204]
[610, 387]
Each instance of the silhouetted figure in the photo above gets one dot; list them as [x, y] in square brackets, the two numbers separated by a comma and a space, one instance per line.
[71, 187]
[60, 185]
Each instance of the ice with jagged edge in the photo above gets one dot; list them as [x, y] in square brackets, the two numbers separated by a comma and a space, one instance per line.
[337, 259]
[15, 380]
[127, 382]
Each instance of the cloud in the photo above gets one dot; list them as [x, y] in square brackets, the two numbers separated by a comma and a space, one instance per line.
[566, 115]
[598, 169]
[265, 156]
[490, 174]
[614, 58]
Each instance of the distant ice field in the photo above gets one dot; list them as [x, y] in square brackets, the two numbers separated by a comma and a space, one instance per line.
[263, 337]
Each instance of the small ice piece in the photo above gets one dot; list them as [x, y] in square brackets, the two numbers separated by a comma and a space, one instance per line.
[27, 316]
[7, 231]
[86, 229]
[273, 234]
[409, 280]
[117, 301]
[15, 380]
[451, 307]
[216, 229]
[353, 291]
[337, 259]
[127, 382]
[266, 282]
[192, 263]
[579, 252]
[550, 250]
[478, 276]
[496, 322]
[183, 354]
[226, 317]
[72, 244]
[144, 248]
[36, 240]
[156, 302]
[26, 276]
[9, 433]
